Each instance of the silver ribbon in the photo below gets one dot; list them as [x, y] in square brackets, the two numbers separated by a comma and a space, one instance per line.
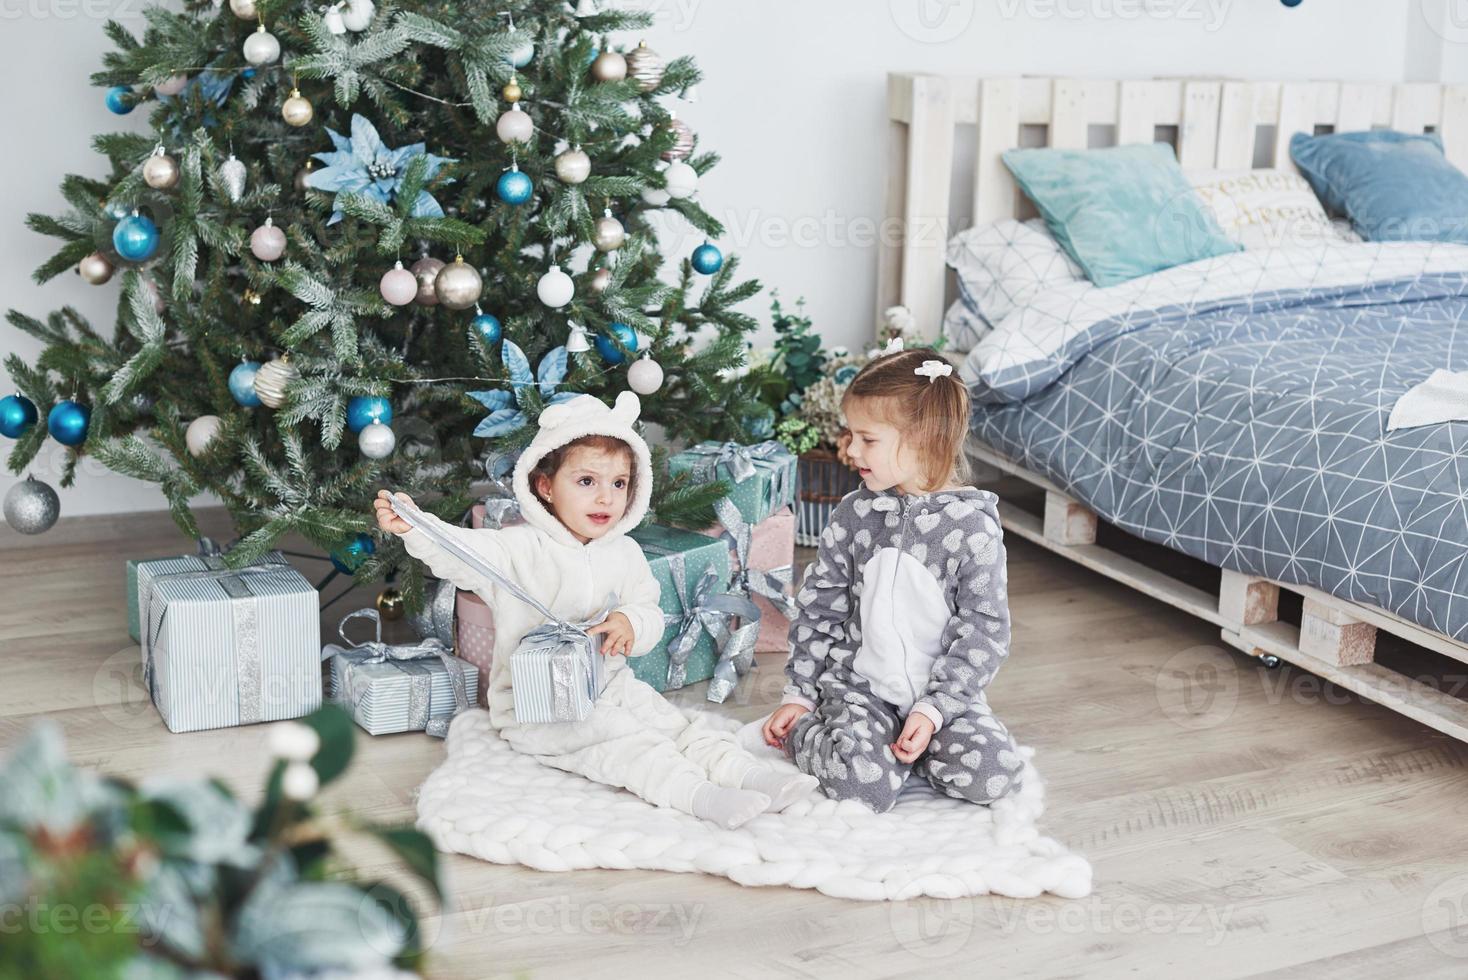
[705, 611]
[245, 621]
[405, 657]
[771, 584]
[552, 630]
[741, 463]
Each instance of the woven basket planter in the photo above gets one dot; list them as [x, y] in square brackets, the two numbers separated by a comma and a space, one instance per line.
[824, 480]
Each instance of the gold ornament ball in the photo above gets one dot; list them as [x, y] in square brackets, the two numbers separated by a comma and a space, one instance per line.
[426, 270]
[160, 171]
[244, 9]
[600, 280]
[646, 65]
[95, 269]
[297, 109]
[390, 604]
[608, 234]
[458, 285]
[272, 379]
[250, 296]
[512, 91]
[682, 140]
[609, 66]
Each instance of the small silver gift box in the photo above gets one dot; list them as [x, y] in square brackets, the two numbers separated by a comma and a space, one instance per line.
[397, 687]
[556, 675]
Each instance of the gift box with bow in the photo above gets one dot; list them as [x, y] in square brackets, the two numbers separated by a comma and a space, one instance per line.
[761, 477]
[405, 687]
[764, 569]
[139, 569]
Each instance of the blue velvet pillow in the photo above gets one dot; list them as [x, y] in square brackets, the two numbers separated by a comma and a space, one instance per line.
[1393, 186]
[1120, 212]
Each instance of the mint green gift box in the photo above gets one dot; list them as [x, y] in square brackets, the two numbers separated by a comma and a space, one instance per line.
[761, 476]
[681, 561]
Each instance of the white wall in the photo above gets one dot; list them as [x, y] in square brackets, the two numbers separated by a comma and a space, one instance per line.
[794, 101]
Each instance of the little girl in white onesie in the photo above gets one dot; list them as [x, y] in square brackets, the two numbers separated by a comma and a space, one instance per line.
[582, 484]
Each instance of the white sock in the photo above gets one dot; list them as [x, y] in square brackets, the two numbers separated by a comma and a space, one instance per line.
[783, 788]
[727, 807]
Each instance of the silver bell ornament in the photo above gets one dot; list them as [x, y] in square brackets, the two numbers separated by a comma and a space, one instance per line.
[682, 140]
[646, 65]
[645, 375]
[232, 172]
[609, 66]
[160, 171]
[261, 48]
[608, 235]
[31, 506]
[515, 126]
[458, 285]
[272, 379]
[201, 432]
[426, 270]
[95, 268]
[577, 342]
[573, 166]
[376, 440]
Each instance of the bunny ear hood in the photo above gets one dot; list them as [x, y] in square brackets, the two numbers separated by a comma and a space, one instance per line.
[585, 415]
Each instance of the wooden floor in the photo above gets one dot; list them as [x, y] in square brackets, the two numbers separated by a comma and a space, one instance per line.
[1241, 822]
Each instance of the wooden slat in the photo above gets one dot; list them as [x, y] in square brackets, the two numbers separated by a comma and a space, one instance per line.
[1236, 127]
[1197, 136]
[889, 246]
[998, 130]
[925, 215]
[1296, 115]
[1416, 106]
[1068, 120]
[1355, 108]
[1454, 125]
[1134, 121]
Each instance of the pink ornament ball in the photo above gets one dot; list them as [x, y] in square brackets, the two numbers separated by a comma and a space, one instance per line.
[267, 243]
[398, 286]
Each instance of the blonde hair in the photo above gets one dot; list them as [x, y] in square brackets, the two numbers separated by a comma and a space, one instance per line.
[932, 415]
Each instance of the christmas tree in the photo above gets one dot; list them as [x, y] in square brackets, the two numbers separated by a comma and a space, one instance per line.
[364, 246]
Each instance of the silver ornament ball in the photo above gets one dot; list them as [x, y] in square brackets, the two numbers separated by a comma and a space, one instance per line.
[426, 270]
[608, 234]
[160, 171]
[514, 126]
[95, 268]
[31, 506]
[201, 433]
[458, 285]
[261, 48]
[271, 381]
[297, 110]
[267, 243]
[377, 441]
[244, 9]
[573, 166]
[609, 66]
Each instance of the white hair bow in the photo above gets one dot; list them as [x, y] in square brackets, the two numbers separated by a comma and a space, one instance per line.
[894, 346]
[933, 370]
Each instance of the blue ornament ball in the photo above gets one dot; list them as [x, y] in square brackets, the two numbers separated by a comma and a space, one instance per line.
[1290, 3]
[522, 53]
[242, 383]
[17, 415]
[120, 99]
[608, 350]
[136, 238]
[489, 327]
[363, 410]
[350, 556]
[514, 187]
[67, 422]
[707, 259]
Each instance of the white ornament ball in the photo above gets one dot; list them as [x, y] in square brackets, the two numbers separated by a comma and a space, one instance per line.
[573, 166]
[398, 286]
[522, 53]
[555, 288]
[682, 180]
[261, 48]
[515, 126]
[244, 9]
[201, 433]
[271, 381]
[655, 196]
[357, 14]
[645, 376]
[267, 242]
[171, 86]
[160, 171]
[376, 440]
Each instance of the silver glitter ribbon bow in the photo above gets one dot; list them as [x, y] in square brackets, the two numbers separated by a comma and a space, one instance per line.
[741, 460]
[246, 626]
[405, 657]
[554, 629]
[500, 505]
[707, 611]
[771, 584]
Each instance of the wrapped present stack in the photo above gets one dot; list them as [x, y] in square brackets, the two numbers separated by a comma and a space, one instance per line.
[227, 646]
[763, 562]
[391, 688]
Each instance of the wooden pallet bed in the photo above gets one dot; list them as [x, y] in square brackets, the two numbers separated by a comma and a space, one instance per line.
[1213, 123]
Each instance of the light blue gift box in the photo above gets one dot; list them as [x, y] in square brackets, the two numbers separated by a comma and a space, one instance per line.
[226, 646]
[761, 477]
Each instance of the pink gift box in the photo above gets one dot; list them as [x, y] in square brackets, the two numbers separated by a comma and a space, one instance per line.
[474, 636]
[772, 545]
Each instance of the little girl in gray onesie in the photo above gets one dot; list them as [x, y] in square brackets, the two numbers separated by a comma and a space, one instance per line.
[903, 619]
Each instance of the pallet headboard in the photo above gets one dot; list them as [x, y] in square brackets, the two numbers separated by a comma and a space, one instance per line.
[1213, 123]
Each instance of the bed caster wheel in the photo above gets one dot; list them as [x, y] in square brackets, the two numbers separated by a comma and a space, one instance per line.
[1269, 660]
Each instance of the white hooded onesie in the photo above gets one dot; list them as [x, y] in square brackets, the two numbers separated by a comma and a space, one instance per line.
[633, 738]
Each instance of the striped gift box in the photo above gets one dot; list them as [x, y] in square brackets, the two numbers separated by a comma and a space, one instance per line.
[385, 704]
[557, 681]
[228, 647]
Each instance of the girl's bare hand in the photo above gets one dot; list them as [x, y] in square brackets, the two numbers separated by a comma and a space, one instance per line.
[619, 635]
[778, 725]
[386, 519]
[917, 732]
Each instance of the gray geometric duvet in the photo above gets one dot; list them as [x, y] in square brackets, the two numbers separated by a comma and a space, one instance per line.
[1249, 431]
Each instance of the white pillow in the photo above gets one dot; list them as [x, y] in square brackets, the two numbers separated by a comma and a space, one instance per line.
[1264, 208]
[962, 327]
[1002, 265]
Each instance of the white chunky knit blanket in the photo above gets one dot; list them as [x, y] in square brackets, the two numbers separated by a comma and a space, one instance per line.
[490, 802]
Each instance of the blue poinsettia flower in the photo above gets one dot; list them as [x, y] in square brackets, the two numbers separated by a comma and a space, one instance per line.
[362, 165]
[507, 407]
